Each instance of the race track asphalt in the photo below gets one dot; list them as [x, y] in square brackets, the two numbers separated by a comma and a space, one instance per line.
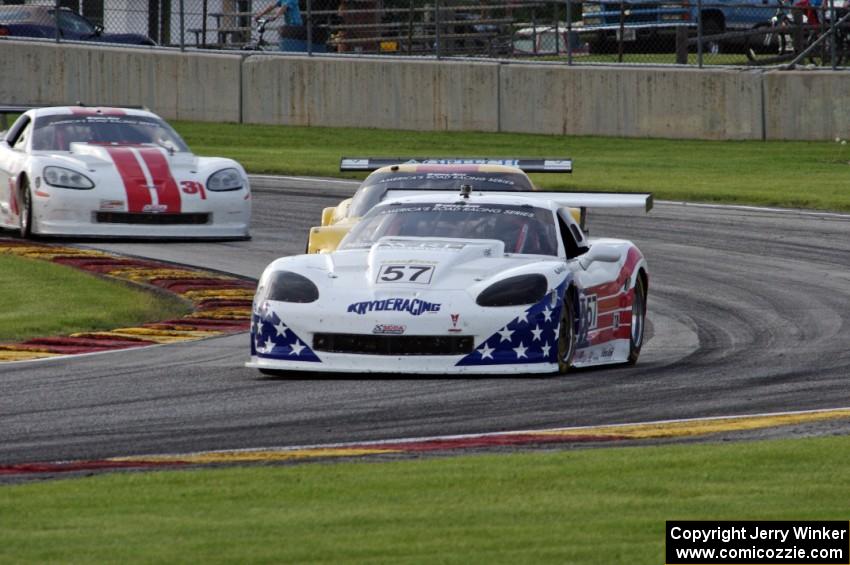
[749, 313]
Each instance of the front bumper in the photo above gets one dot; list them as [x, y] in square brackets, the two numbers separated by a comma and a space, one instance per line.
[415, 365]
[504, 340]
[77, 213]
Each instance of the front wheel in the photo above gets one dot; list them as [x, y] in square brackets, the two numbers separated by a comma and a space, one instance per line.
[638, 321]
[566, 336]
[25, 212]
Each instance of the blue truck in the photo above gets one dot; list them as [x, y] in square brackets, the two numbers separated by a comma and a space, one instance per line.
[652, 24]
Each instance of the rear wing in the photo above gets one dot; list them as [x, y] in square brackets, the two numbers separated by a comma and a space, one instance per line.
[547, 165]
[585, 200]
[580, 200]
[562, 198]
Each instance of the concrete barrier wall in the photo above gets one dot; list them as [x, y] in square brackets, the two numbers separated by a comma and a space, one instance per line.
[175, 85]
[414, 94]
[631, 102]
[807, 105]
[428, 95]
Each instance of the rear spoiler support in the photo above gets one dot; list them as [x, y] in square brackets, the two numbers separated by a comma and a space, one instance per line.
[542, 165]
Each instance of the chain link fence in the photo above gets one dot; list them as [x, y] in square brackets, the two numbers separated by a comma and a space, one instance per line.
[685, 32]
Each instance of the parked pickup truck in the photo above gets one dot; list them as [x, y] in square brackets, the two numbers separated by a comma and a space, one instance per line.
[652, 24]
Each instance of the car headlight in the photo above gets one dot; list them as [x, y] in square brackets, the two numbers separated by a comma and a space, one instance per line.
[524, 289]
[225, 179]
[66, 178]
[286, 286]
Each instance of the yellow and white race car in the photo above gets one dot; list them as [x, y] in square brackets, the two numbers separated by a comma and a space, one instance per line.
[405, 173]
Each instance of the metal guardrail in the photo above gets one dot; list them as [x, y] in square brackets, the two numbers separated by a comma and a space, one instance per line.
[750, 32]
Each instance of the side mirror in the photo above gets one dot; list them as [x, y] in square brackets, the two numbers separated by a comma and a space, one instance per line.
[98, 29]
[601, 255]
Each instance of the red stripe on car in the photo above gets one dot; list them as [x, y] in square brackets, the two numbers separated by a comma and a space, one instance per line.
[617, 298]
[169, 194]
[135, 184]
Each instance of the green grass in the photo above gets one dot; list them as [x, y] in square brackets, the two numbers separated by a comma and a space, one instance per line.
[777, 173]
[42, 299]
[582, 506]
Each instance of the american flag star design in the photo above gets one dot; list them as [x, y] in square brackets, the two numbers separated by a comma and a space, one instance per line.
[272, 338]
[531, 337]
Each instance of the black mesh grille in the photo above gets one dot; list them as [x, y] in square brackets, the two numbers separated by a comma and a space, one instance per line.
[393, 344]
[152, 219]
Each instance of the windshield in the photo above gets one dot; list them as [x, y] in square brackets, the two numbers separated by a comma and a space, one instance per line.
[58, 132]
[523, 229]
[14, 16]
[375, 186]
[70, 22]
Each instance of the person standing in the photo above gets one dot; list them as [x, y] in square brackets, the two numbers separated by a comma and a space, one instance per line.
[292, 34]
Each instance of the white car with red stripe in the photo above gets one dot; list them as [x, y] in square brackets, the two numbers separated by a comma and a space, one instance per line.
[115, 172]
[458, 283]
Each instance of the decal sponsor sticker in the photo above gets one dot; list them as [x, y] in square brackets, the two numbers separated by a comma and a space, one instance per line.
[403, 180]
[193, 187]
[389, 329]
[508, 162]
[111, 205]
[425, 245]
[589, 317]
[412, 306]
[455, 319]
[95, 112]
[405, 273]
[155, 208]
[556, 164]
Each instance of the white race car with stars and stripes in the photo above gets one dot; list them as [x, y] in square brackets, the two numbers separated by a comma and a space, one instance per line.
[458, 282]
[115, 172]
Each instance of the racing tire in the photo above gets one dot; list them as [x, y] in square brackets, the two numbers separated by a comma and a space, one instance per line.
[638, 325]
[25, 216]
[566, 336]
